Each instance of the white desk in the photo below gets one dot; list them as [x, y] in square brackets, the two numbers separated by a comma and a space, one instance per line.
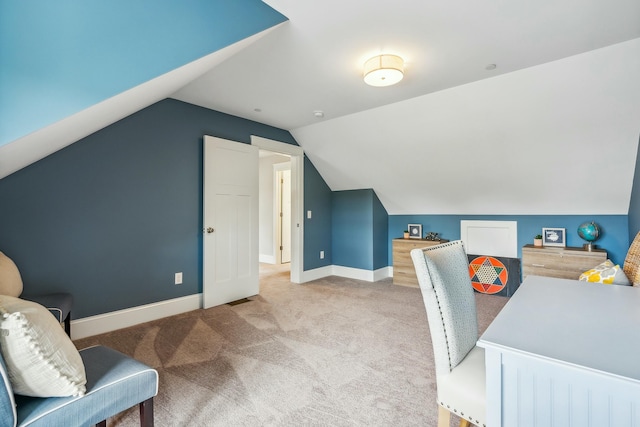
[564, 353]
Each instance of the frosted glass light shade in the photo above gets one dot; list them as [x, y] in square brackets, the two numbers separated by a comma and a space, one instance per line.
[383, 70]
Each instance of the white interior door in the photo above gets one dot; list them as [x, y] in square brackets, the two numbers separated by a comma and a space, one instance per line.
[284, 216]
[230, 243]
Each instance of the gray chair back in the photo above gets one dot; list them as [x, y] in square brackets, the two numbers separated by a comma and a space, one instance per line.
[443, 275]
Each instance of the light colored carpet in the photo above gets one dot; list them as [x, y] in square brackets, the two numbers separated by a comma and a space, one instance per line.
[332, 352]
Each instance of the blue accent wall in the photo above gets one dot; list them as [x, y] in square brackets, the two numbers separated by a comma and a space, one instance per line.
[112, 217]
[614, 229]
[351, 237]
[317, 229]
[634, 205]
[359, 230]
[60, 57]
[380, 233]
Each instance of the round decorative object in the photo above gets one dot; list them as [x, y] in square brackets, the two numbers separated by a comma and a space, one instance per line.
[488, 275]
[589, 232]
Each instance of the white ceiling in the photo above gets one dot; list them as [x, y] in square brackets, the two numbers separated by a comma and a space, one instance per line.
[452, 137]
[314, 62]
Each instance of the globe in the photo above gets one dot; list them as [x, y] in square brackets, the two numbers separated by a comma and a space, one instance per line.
[589, 231]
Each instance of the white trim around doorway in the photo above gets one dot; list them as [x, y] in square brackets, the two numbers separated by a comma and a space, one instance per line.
[297, 199]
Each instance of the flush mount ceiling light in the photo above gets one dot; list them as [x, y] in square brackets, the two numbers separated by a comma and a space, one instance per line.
[383, 70]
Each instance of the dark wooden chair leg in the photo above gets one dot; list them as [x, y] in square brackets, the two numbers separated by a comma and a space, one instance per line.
[67, 324]
[102, 423]
[146, 413]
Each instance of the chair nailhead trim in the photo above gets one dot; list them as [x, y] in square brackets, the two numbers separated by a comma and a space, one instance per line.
[470, 419]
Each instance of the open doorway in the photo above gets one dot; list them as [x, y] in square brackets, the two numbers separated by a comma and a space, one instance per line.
[274, 208]
[288, 157]
[282, 184]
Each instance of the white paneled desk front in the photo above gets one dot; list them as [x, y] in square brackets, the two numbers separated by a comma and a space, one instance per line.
[564, 353]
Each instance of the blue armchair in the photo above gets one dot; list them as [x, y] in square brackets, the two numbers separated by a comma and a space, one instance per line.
[115, 382]
[38, 359]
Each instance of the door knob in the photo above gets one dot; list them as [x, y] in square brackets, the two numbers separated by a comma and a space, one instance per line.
[210, 230]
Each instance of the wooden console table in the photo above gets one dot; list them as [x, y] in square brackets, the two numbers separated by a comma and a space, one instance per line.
[404, 273]
[564, 263]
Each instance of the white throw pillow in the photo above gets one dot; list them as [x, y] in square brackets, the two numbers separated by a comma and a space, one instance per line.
[41, 359]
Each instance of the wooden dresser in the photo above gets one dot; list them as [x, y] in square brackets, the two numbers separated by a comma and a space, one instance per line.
[404, 272]
[565, 263]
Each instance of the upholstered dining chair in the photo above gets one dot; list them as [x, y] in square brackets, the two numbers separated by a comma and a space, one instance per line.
[443, 275]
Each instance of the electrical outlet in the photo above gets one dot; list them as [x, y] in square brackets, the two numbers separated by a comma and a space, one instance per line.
[308, 214]
[321, 254]
[178, 279]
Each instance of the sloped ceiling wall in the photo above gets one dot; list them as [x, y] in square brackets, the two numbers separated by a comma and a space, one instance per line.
[67, 59]
[559, 138]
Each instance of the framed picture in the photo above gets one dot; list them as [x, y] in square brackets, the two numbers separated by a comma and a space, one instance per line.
[554, 237]
[415, 231]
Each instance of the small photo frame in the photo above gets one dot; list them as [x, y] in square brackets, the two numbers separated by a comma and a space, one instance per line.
[415, 231]
[554, 237]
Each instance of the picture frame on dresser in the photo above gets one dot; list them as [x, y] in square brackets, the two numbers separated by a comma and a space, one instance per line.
[415, 231]
[554, 237]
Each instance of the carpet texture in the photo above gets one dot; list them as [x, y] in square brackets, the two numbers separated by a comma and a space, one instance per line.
[332, 352]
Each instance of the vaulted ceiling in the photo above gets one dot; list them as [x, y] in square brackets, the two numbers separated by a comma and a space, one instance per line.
[552, 126]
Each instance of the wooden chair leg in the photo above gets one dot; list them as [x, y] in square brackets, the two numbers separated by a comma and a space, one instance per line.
[146, 413]
[67, 324]
[444, 417]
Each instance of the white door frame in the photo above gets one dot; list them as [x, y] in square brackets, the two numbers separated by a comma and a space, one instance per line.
[297, 199]
[278, 169]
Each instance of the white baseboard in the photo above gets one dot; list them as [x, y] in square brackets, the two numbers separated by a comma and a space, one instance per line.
[349, 272]
[382, 273]
[267, 259]
[107, 322]
[316, 273]
[360, 274]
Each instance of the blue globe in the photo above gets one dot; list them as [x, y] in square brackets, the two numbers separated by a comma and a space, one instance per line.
[589, 231]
